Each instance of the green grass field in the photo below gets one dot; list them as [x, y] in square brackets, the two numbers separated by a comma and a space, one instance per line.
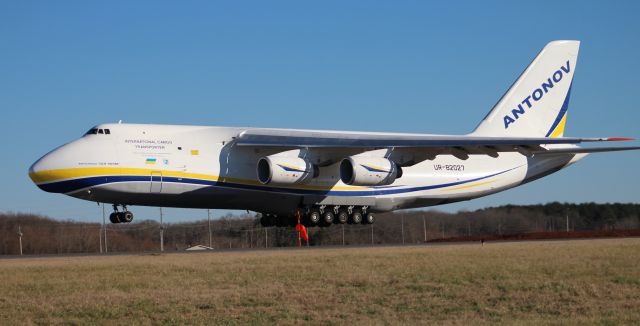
[569, 282]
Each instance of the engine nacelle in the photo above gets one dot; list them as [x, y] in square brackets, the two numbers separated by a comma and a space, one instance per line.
[285, 170]
[369, 171]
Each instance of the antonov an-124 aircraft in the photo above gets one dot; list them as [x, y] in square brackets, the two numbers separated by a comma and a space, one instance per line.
[326, 177]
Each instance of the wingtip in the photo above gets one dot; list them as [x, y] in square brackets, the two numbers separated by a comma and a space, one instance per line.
[619, 138]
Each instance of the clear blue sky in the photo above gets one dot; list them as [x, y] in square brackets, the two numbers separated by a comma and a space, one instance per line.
[378, 66]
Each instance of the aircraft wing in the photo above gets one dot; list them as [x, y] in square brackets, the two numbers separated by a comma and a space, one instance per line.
[335, 139]
[579, 150]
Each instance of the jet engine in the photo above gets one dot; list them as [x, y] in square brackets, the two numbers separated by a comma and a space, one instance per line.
[369, 171]
[285, 170]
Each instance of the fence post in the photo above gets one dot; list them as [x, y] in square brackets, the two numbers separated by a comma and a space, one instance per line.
[20, 238]
[402, 226]
[104, 230]
[101, 227]
[424, 228]
[209, 221]
[161, 232]
[372, 234]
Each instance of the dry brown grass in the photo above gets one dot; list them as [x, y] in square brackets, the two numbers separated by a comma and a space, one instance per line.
[572, 282]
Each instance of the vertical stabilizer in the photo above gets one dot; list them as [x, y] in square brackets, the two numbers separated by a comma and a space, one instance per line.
[536, 104]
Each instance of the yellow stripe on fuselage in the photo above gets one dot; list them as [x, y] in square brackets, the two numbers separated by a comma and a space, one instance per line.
[470, 186]
[73, 173]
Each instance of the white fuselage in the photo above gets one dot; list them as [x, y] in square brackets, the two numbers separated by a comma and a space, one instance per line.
[199, 167]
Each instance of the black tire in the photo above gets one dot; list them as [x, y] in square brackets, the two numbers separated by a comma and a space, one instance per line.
[342, 217]
[313, 217]
[126, 217]
[280, 221]
[273, 220]
[114, 218]
[327, 218]
[368, 218]
[356, 217]
[265, 220]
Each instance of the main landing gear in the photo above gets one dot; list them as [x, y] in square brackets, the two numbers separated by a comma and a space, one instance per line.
[123, 216]
[327, 215]
[322, 216]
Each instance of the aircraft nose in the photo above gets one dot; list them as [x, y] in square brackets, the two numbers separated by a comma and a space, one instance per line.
[34, 170]
[62, 170]
[48, 169]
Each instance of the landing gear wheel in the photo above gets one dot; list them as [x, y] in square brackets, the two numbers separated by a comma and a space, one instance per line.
[342, 217]
[265, 220]
[280, 221]
[368, 218]
[124, 217]
[113, 217]
[356, 217]
[313, 217]
[127, 217]
[327, 218]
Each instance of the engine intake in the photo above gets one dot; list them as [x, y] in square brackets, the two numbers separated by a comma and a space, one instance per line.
[285, 170]
[369, 171]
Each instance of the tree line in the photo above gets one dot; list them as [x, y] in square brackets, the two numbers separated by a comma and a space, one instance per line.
[43, 235]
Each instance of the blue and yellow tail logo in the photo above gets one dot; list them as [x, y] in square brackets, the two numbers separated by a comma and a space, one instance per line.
[529, 102]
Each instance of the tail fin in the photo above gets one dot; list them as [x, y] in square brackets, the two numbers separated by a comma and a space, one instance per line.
[536, 104]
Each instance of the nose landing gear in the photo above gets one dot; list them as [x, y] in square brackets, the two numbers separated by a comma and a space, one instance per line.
[123, 216]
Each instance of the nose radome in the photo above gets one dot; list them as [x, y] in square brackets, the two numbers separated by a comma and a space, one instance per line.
[53, 171]
[43, 169]
[50, 167]
[34, 169]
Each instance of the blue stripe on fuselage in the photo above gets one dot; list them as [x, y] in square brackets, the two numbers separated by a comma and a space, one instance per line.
[68, 186]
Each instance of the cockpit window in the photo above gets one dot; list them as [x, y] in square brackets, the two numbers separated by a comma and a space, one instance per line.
[94, 131]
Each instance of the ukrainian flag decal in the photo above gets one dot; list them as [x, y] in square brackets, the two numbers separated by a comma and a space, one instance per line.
[150, 160]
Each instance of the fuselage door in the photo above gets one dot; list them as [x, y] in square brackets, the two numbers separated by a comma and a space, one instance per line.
[156, 182]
